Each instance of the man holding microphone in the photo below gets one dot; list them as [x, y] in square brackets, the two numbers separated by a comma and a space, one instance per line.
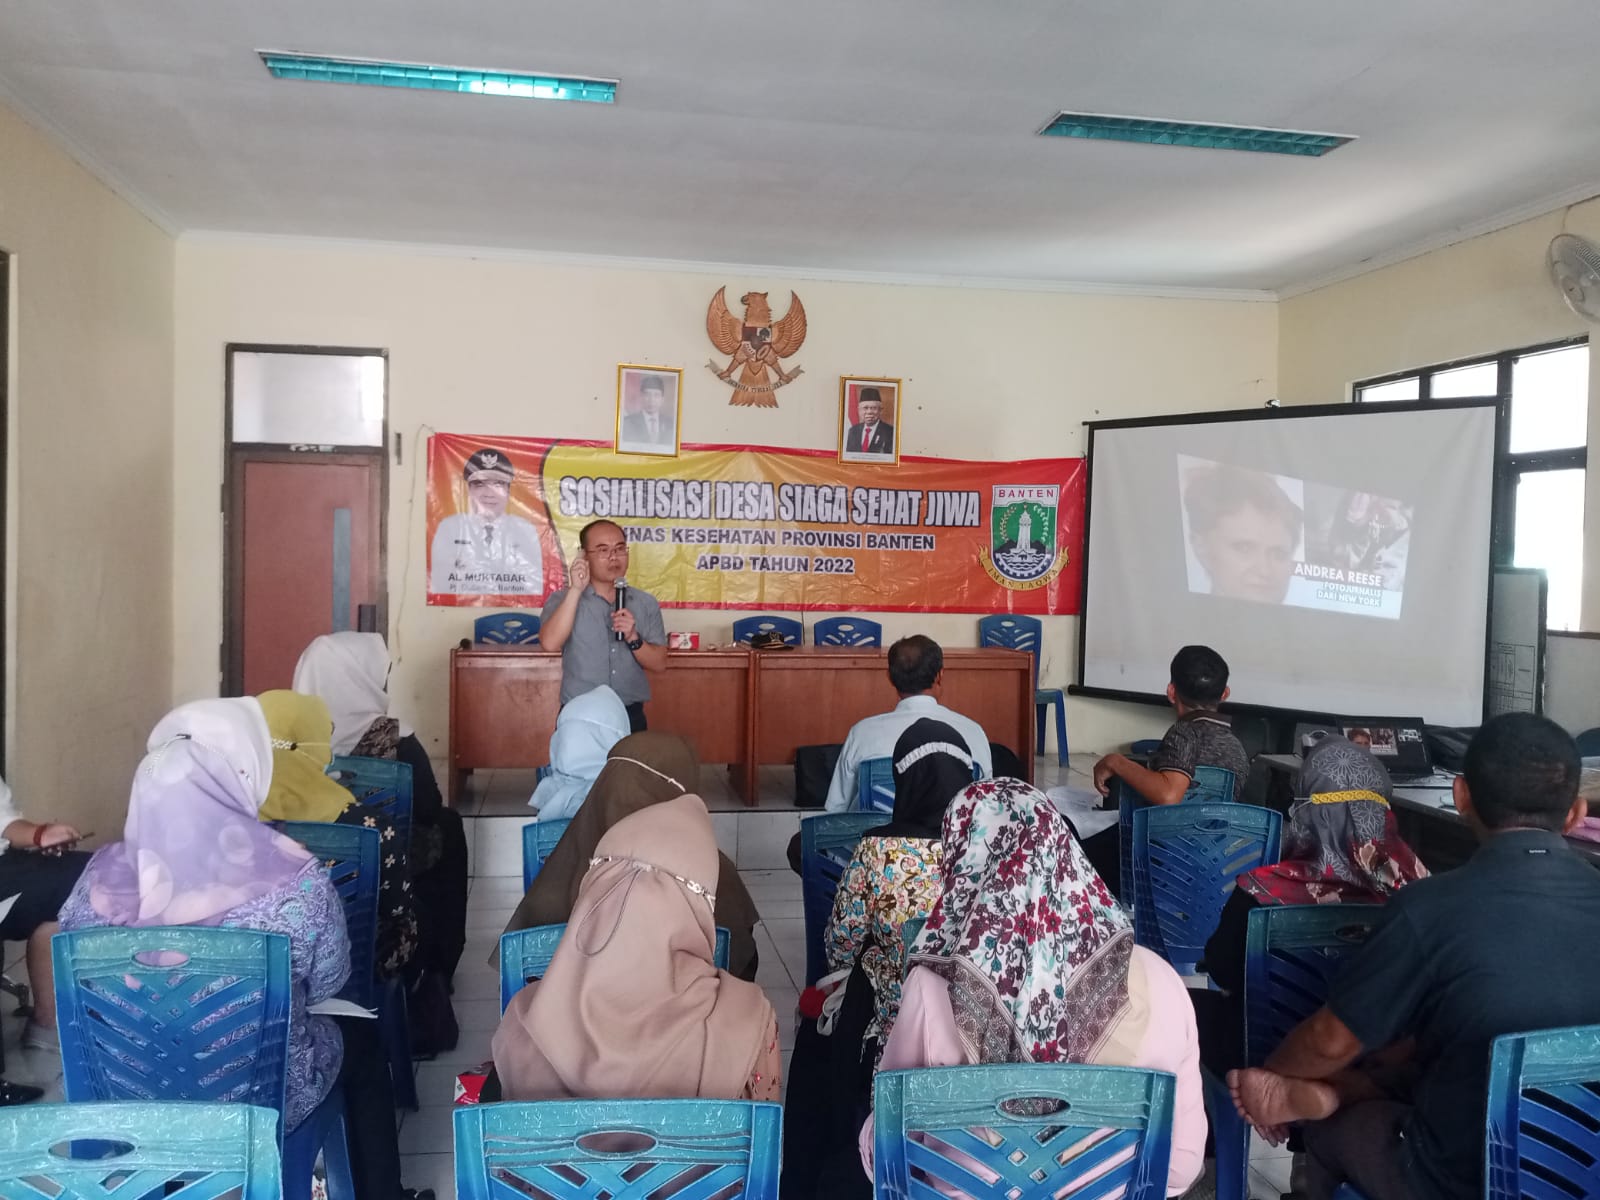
[607, 632]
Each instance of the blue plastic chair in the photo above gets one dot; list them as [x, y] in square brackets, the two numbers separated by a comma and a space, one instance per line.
[525, 955]
[1091, 1116]
[846, 631]
[539, 838]
[1211, 785]
[134, 1030]
[1186, 858]
[875, 785]
[909, 932]
[124, 1151]
[1292, 953]
[351, 854]
[1011, 632]
[622, 1149]
[381, 783]
[827, 842]
[1544, 1114]
[507, 629]
[746, 628]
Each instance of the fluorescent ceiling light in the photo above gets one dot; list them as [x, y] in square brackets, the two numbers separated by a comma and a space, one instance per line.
[523, 85]
[1099, 127]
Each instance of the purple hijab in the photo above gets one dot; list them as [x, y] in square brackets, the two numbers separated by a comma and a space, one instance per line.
[193, 849]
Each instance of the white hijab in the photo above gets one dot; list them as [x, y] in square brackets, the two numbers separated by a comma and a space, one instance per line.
[349, 671]
[235, 728]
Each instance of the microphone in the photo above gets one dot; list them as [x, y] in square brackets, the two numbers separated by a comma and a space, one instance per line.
[620, 603]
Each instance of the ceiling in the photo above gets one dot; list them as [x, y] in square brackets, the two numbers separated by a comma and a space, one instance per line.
[891, 138]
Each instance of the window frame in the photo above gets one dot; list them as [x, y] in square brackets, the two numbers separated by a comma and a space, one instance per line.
[1510, 468]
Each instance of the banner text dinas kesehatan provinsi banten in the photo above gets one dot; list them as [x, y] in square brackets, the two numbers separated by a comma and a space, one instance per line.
[720, 527]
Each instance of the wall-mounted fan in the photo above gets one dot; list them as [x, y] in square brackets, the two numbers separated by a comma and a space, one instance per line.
[1575, 269]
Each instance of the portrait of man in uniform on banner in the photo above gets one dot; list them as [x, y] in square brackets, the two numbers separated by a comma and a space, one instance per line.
[486, 550]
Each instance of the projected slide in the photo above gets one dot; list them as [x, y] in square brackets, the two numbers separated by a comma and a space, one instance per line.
[1275, 539]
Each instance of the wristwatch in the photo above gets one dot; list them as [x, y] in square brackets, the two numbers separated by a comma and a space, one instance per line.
[638, 640]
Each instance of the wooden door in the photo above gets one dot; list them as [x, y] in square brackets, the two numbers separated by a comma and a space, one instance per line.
[305, 553]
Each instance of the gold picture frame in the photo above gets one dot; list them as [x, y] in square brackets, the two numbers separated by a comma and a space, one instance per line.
[633, 434]
[853, 389]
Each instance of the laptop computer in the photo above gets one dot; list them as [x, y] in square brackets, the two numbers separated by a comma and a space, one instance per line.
[1396, 742]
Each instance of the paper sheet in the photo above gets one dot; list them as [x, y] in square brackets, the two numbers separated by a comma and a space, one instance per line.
[336, 1008]
[1081, 805]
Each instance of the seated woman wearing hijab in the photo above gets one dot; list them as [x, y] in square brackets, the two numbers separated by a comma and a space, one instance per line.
[302, 791]
[642, 769]
[350, 673]
[1069, 986]
[586, 729]
[1341, 845]
[194, 852]
[892, 878]
[632, 1006]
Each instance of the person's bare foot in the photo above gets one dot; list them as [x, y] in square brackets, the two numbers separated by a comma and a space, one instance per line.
[1270, 1101]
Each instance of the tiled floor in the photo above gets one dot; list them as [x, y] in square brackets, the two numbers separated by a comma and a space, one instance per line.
[497, 806]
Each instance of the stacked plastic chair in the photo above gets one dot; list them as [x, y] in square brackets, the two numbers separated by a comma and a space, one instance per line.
[1011, 632]
[539, 838]
[525, 955]
[381, 783]
[621, 1149]
[141, 1012]
[1212, 785]
[126, 1151]
[1039, 1130]
[827, 843]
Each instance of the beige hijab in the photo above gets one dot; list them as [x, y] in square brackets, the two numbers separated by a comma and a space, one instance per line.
[632, 1005]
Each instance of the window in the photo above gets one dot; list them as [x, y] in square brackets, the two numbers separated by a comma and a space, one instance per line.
[1544, 459]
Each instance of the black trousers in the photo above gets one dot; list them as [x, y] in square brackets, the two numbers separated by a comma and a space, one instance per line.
[369, 1111]
[636, 717]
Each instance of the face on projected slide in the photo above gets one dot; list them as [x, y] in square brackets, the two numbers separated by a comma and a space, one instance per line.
[1244, 532]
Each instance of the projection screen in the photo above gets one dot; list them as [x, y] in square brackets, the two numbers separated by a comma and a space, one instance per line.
[1337, 557]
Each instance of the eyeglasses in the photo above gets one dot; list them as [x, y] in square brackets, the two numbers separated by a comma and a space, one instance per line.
[608, 551]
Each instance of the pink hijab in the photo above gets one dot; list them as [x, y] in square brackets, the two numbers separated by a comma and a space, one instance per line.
[192, 848]
[632, 1005]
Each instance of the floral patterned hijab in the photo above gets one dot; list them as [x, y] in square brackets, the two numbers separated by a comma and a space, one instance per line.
[1033, 946]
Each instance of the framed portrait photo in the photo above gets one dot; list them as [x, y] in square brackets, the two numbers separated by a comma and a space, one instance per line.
[649, 403]
[869, 420]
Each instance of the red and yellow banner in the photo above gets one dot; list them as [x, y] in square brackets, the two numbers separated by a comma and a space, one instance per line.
[725, 527]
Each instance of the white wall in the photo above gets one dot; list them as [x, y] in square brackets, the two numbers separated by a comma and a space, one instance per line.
[89, 548]
[519, 347]
[1482, 296]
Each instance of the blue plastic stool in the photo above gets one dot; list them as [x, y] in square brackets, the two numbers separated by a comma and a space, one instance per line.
[1186, 858]
[1092, 1115]
[623, 1149]
[1011, 632]
[178, 1150]
[827, 843]
[875, 785]
[1544, 1114]
[114, 1008]
[381, 783]
[507, 629]
[847, 631]
[1292, 953]
[539, 838]
[525, 955]
[746, 628]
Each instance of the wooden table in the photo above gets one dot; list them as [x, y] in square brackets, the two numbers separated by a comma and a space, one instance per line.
[735, 706]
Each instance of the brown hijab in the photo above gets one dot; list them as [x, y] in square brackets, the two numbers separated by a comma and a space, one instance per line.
[632, 1005]
[641, 770]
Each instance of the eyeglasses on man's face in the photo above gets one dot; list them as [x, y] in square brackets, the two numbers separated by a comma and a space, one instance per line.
[609, 550]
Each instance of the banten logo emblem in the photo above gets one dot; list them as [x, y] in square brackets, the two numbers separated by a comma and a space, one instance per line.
[1022, 554]
[756, 343]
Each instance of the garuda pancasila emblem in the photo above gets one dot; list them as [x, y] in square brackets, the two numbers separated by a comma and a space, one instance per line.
[756, 343]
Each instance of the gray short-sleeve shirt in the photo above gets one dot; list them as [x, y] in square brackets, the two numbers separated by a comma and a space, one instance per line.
[592, 655]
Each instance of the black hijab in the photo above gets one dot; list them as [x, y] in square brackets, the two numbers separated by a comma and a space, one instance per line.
[932, 764]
